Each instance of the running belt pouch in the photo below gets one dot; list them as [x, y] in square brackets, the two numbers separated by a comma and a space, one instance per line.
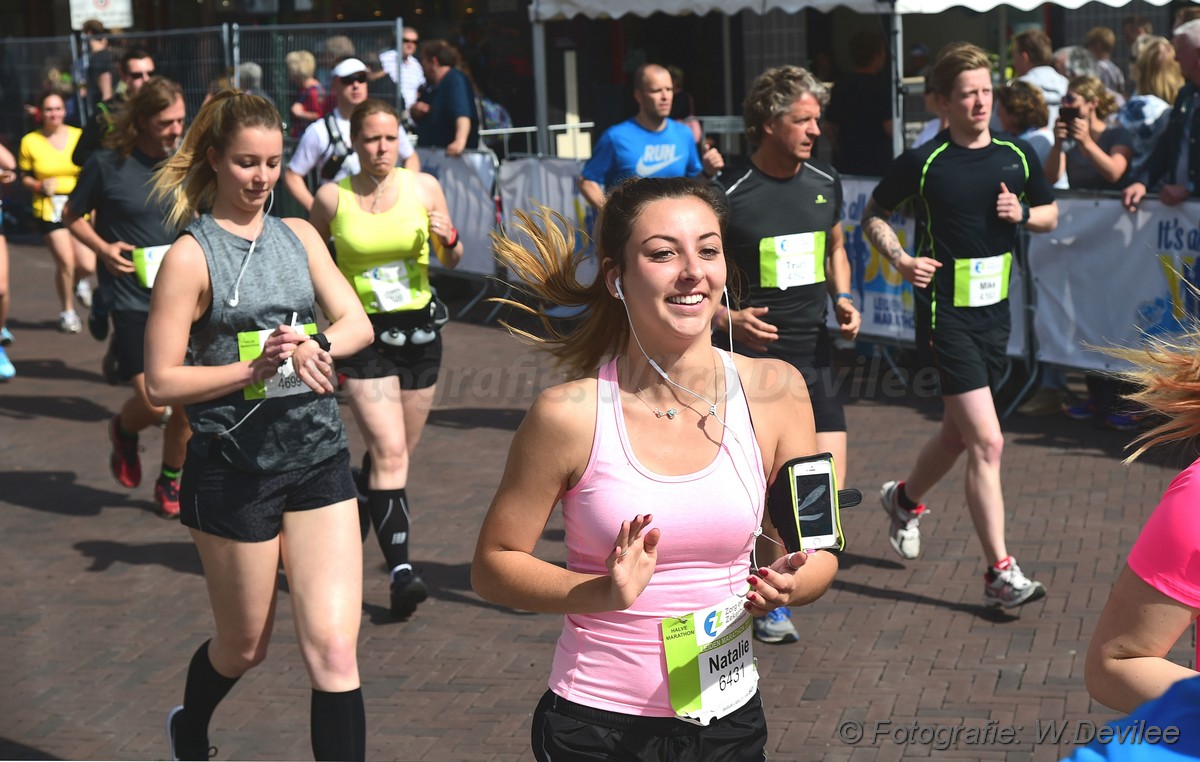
[782, 508]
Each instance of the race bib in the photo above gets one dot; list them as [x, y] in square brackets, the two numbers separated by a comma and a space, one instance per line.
[146, 261]
[797, 259]
[285, 382]
[58, 202]
[710, 661]
[981, 281]
[389, 287]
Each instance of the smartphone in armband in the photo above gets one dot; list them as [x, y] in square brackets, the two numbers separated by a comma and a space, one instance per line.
[803, 504]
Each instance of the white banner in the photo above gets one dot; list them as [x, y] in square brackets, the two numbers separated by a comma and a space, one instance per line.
[1107, 277]
[114, 14]
[553, 183]
[468, 181]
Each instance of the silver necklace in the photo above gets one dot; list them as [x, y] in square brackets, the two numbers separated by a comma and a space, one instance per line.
[670, 413]
[378, 192]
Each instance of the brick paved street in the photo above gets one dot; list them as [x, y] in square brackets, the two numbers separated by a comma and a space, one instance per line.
[104, 603]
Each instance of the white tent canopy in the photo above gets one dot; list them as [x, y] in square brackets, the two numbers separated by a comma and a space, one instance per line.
[541, 11]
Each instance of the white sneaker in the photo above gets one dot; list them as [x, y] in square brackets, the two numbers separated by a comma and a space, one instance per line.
[905, 534]
[69, 322]
[83, 292]
[1010, 587]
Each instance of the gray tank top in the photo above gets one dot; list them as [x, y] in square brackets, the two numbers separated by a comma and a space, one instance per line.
[282, 425]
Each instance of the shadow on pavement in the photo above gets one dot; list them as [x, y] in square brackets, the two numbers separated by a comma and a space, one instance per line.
[66, 408]
[995, 615]
[58, 492]
[51, 370]
[450, 583]
[13, 750]
[176, 556]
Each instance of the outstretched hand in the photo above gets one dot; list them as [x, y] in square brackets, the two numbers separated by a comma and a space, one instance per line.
[633, 559]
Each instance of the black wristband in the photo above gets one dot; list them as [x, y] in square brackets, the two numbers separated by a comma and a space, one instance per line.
[322, 341]
[1024, 213]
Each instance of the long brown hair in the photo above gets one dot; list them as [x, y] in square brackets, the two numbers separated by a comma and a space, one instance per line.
[547, 272]
[155, 96]
[187, 178]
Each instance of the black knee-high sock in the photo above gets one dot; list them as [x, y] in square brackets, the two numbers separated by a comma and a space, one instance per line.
[204, 690]
[339, 726]
[389, 514]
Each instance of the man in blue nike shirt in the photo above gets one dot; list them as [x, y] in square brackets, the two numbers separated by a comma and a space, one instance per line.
[648, 144]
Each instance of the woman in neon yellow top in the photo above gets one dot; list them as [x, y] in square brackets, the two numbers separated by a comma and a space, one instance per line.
[383, 222]
[49, 174]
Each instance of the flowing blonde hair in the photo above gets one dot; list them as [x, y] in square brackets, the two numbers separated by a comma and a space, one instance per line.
[187, 179]
[547, 272]
[1166, 374]
[157, 95]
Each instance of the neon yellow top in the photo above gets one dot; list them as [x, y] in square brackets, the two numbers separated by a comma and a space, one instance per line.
[385, 256]
[39, 158]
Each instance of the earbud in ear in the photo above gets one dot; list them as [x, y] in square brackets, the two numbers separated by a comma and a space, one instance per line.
[620, 293]
[726, 290]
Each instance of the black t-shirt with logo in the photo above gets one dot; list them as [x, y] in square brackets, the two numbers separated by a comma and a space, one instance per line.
[778, 237]
[954, 191]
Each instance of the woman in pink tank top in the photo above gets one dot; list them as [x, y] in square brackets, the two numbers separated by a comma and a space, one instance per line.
[660, 452]
[1156, 597]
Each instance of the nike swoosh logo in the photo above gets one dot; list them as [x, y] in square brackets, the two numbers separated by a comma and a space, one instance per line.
[646, 170]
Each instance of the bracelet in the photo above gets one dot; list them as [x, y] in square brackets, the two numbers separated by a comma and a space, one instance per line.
[843, 295]
[716, 319]
[452, 241]
[1024, 213]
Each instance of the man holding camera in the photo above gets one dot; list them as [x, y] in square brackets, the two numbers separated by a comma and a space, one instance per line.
[325, 144]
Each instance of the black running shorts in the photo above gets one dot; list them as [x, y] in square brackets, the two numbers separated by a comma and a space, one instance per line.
[129, 342]
[967, 358]
[564, 731]
[218, 499]
[416, 365]
[828, 405]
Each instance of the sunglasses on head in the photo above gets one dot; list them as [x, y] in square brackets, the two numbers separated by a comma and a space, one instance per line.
[359, 78]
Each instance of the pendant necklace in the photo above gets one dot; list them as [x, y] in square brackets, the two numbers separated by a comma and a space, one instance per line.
[670, 413]
[379, 185]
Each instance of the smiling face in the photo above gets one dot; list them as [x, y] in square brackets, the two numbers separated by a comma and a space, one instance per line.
[248, 168]
[674, 269]
[377, 143]
[163, 130]
[969, 106]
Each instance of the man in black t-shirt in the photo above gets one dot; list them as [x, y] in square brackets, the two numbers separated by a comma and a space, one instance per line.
[135, 69]
[129, 239]
[785, 235]
[972, 191]
[859, 118]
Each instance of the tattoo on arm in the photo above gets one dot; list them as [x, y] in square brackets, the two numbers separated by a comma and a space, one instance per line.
[879, 232]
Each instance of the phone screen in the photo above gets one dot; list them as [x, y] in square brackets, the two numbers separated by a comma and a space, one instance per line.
[814, 509]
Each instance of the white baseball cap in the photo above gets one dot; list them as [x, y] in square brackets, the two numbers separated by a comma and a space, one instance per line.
[348, 67]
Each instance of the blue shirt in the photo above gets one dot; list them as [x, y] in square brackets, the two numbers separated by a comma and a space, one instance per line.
[630, 150]
[448, 100]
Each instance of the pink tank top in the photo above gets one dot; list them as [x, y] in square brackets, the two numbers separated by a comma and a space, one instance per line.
[615, 660]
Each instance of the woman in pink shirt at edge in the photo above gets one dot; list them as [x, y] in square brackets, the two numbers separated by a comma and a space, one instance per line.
[662, 486]
[1157, 595]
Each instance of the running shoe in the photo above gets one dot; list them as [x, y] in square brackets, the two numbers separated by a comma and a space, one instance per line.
[83, 292]
[1081, 411]
[1045, 401]
[7, 370]
[125, 463]
[1127, 421]
[6, 337]
[1009, 587]
[109, 368]
[68, 322]
[166, 497]
[97, 325]
[408, 590]
[176, 750]
[905, 534]
[776, 627]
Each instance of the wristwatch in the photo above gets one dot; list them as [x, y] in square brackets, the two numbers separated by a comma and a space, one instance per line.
[321, 340]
